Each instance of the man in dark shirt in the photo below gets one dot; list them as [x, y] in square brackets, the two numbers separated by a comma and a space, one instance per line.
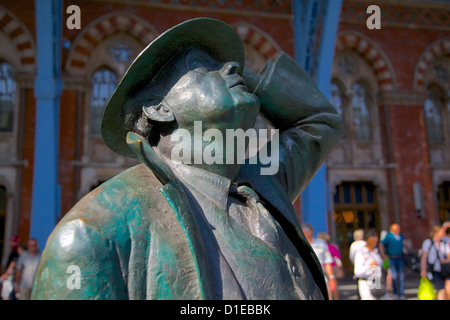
[393, 246]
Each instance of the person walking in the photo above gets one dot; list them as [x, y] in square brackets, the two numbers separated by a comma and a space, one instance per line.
[393, 247]
[7, 277]
[357, 244]
[337, 261]
[445, 232]
[320, 247]
[367, 266]
[26, 269]
[434, 252]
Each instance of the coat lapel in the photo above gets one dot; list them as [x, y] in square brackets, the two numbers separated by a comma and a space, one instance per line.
[178, 201]
[272, 193]
[173, 192]
[267, 187]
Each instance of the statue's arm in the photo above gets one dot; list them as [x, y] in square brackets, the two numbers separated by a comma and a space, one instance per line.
[78, 263]
[309, 125]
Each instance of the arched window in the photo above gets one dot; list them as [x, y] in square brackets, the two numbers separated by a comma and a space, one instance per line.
[433, 115]
[353, 93]
[7, 96]
[104, 83]
[361, 113]
[337, 99]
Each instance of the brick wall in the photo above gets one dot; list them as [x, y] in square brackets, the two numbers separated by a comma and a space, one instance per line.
[408, 138]
[406, 32]
[68, 148]
[27, 173]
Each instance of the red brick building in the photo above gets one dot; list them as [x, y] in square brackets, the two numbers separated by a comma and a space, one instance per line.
[392, 86]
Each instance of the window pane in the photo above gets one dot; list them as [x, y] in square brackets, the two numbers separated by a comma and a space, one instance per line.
[361, 220]
[356, 210]
[372, 219]
[443, 196]
[7, 96]
[361, 113]
[336, 97]
[103, 85]
[346, 193]
[445, 192]
[336, 196]
[370, 193]
[337, 101]
[358, 193]
[433, 120]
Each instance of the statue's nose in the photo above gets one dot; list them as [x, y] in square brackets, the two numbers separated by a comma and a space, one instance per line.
[230, 68]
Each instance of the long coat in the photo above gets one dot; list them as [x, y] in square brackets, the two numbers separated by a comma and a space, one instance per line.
[135, 236]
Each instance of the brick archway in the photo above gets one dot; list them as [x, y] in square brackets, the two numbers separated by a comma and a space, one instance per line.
[431, 53]
[20, 37]
[258, 39]
[101, 28]
[375, 57]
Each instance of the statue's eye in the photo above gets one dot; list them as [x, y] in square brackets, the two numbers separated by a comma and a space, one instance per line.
[201, 69]
[198, 60]
[197, 64]
[203, 58]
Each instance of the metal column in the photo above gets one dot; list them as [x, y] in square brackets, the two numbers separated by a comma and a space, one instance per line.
[315, 29]
[47, 87]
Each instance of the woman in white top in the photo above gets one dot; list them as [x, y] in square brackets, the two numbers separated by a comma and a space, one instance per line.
[368, 264]
[359, 243]
[434, 252]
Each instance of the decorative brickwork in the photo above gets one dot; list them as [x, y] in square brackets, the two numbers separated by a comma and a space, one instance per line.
[273, 6]
[398, 14]
[98, 30]
[19, 36]
[431, 54]
[375, 57]
[258, 39]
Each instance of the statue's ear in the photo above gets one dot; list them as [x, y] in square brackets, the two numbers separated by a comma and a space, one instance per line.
[159, 112]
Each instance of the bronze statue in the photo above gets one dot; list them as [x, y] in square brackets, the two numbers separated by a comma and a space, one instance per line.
[186, 229]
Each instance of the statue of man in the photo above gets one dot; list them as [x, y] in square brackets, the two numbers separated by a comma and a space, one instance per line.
[176, 228]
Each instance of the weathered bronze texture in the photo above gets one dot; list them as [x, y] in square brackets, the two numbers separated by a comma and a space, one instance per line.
[168, 230]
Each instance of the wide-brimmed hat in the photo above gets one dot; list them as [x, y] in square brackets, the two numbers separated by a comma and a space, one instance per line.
[215, 37]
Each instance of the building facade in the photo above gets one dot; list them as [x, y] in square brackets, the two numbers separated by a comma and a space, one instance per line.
[391, 85]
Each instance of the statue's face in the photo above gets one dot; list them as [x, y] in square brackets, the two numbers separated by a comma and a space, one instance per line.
[211, 92]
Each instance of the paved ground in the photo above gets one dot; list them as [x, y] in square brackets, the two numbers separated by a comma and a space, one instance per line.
[348, 290]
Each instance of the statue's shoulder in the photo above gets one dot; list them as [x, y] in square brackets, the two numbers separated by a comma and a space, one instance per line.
[96, 234]
[126, 199]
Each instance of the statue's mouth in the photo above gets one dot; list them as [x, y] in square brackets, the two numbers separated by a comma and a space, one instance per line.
[236, 81]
